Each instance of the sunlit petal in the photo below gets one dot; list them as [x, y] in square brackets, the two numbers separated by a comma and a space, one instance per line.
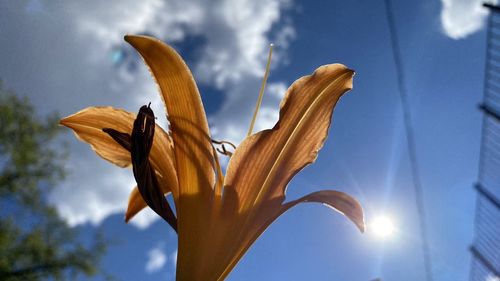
[88, 125]
[265, 162]
[262, 166]
[218, 217]
[192, 144]
[135, 204]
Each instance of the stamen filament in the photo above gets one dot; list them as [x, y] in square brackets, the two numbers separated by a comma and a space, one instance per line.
[224, 150]
[224, 142]
[261, 92]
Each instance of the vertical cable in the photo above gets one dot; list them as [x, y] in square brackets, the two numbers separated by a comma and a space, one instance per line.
[410, 137]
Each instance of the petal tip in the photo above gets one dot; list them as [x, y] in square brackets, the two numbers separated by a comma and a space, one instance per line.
[131, 38]
[358, 218]
[361, 226]
[128, 37]
[129, 214]
[66, 121]
[62, 122]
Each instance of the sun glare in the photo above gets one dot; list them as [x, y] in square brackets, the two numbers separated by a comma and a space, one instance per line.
[382, 227]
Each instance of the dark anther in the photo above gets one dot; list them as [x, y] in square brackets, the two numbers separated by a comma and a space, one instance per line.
[224, 151]
[121, 138]
[224, 142]
[139, 144]
[142, 141]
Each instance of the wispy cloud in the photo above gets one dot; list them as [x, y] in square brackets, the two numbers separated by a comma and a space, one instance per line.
[156, 259]
[461, 18]
[144, 219]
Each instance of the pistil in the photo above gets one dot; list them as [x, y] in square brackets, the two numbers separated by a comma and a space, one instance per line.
[261, 92]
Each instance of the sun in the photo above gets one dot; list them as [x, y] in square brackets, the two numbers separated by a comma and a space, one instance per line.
[382, 226]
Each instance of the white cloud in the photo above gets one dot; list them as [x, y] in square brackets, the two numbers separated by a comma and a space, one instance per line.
[80, 203]
[237, 42]
[492, 277]
[156, 259]
[460, 18]
[65, 51]
[144, 219]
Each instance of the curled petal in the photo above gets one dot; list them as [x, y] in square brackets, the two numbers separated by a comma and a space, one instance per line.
[275, 156]
[339, 201]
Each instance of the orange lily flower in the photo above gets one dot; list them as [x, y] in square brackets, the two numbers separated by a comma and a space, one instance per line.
[217, 217]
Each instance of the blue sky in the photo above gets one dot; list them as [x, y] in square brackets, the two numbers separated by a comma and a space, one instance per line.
[69, 55]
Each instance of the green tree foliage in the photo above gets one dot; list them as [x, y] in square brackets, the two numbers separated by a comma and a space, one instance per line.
[35, 243]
